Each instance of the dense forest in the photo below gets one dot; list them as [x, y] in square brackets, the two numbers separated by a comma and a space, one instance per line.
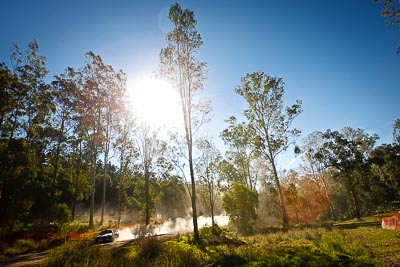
[71, 150]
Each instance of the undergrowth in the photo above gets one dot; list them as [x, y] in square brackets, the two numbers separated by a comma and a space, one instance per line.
[78, 253]
[22, 246]
[364, 246]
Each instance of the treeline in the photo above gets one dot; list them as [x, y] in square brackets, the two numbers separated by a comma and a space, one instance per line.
[71, 149]
[343, 175]
[69, 146]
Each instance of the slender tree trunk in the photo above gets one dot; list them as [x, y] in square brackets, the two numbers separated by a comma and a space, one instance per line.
[73, 205]
[121, 173]
[13, 127]
[93, 176]
[331, 207]
[91, 215]
[103, 201]
[147, 191]
[56, 158]
[211, 206]
[96, 131]
[73, 208]
[106, 151]
[184, 71]
[57, 155]
[355, 202]
[194, 208]
[6, 210]
[351, 187]
[1, 119]
[210, 198]
[186, 107]
[318, 176]
[78, 173]
[119, 202]
[285, 219]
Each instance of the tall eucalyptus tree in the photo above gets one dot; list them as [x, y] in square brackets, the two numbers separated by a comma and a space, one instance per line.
[91, 107]
[268, 122]
[179, 65]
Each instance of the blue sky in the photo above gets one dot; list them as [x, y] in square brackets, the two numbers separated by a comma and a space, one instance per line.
[337, 56]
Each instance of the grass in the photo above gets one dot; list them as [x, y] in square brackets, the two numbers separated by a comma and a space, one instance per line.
[347, 246]
[355, 223]
[380, 243]
[78, 253]
[350, 243]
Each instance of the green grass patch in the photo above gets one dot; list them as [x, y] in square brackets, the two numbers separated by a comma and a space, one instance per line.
[381, 244]
[353, 246]
[372, 221]
[78, 253]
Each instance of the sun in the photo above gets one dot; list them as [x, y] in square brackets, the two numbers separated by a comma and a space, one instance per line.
[155, 102]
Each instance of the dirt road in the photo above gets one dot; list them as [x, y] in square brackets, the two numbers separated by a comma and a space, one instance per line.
[35, 259]
[32, 259]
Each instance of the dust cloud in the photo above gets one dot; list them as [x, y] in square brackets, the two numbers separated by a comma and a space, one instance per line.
[170, 226]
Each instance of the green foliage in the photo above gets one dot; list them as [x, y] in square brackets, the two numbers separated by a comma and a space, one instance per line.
[51, 132]
[78, 253]
[16, 198]
[380, 243]
[62, 213]
[239, 165]
[150, 249]
[362, 246]
[224, 255]
[384, 183]
[183, 254]
[173, 197]
[206, 232]
[346, 153]
[75, 227]
[240, 203]
[153, 252]
[310, 247]
[268, 123]
[207, 171]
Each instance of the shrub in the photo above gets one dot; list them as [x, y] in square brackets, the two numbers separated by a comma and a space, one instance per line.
[153, 252]
[240, 203]
[225, 256]
[206, 232]
[150, 249]
[183, 254]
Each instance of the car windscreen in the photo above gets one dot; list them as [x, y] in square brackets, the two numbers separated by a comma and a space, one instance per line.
[104, 232]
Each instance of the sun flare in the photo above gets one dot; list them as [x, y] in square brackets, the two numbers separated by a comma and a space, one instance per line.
[156, 103]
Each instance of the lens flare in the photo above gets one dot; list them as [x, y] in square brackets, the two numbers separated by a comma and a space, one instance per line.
[156, 103]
